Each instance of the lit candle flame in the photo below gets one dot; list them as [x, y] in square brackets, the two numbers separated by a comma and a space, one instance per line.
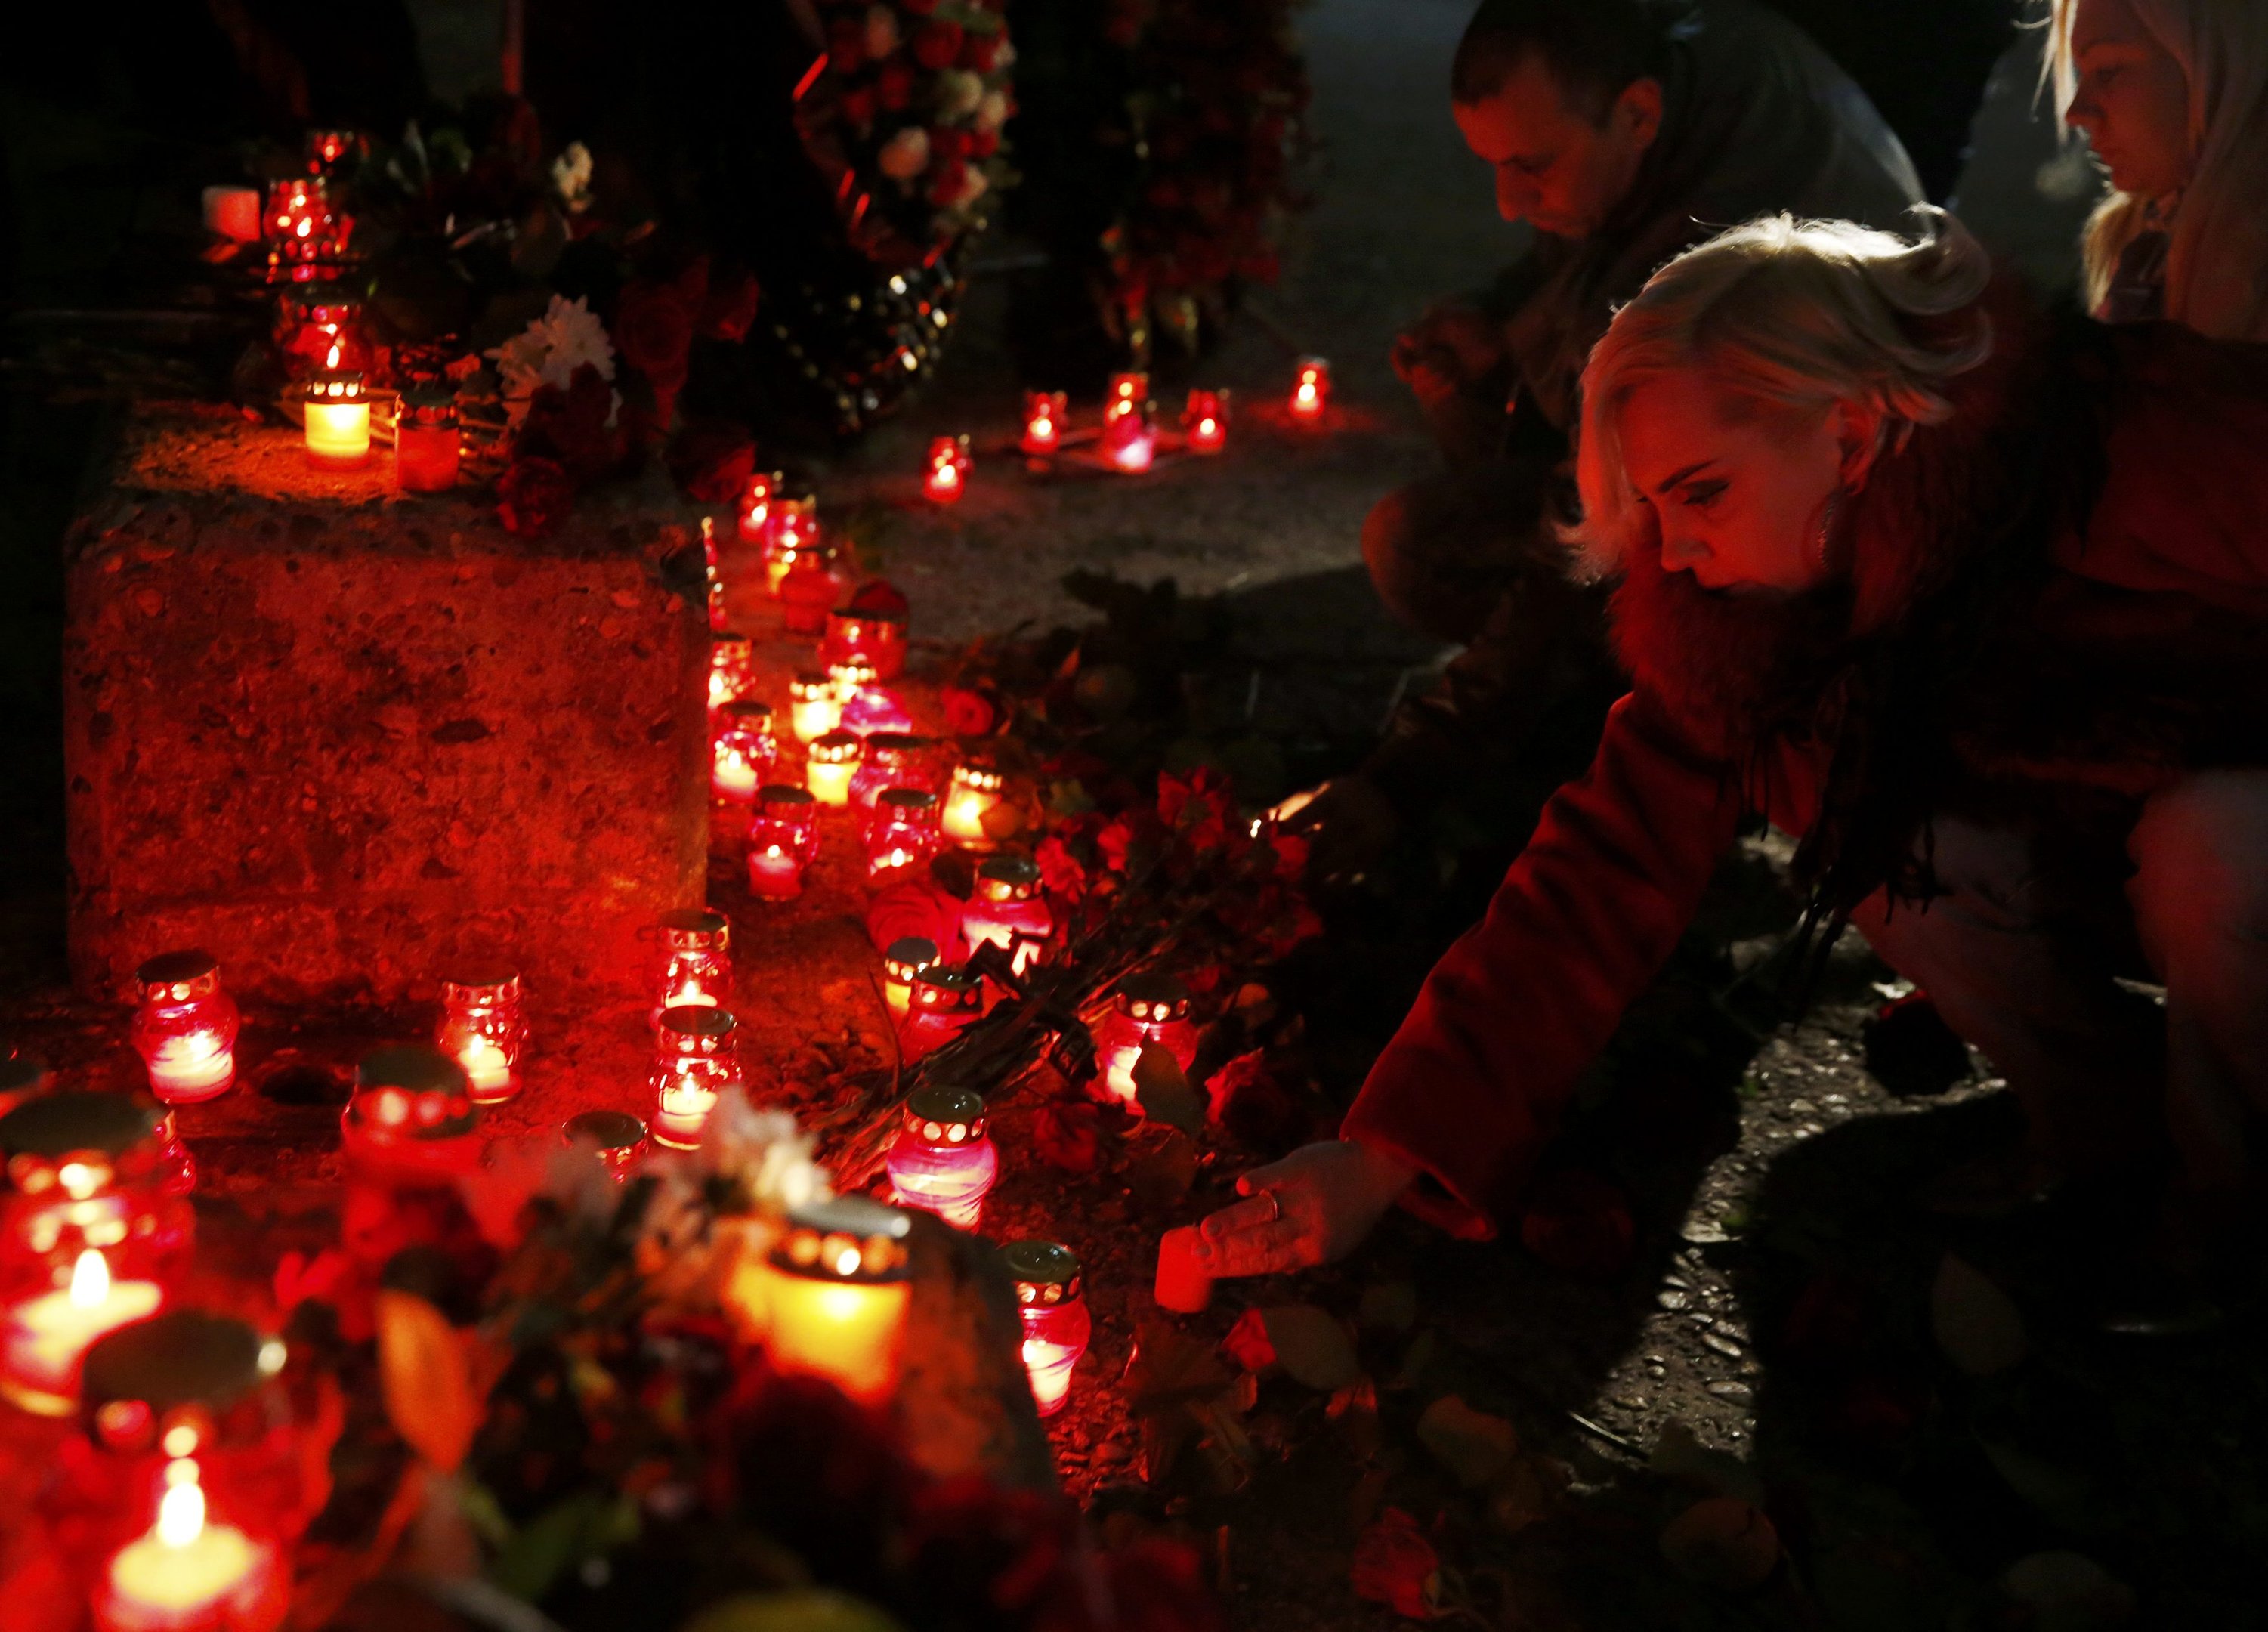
[332, 360]
[90, 1281]
[181, 1511]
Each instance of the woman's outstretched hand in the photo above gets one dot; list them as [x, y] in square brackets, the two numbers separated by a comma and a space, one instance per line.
[1312, 1207]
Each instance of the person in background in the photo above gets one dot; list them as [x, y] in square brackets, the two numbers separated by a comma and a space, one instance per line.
[1622, 131]
[2173, 96]
[1974, 602]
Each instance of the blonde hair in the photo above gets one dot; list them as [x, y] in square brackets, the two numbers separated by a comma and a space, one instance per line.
[1783, 316]
[2217, 257]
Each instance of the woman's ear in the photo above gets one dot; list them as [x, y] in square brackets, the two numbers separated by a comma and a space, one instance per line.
[1859, 429]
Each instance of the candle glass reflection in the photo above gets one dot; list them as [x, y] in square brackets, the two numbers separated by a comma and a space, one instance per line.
[1147, 1011]
[945, 1001]
[1044, 412]
[836, 1295]
[893, 759]
[1051, 1301]
[943, 1161]
[92, 1236]
[1205, 422]
[697, 962]
[906, 957]
[814, 706]
[902, 830]
[1008, 911]
[185, 1027]
[412, 1121]
[619, 1138]
[697, 1059]
[832, 763]
[744, 751]
[484, 1029]
[976, 790]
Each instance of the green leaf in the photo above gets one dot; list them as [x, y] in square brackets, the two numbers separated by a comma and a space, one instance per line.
[1311, 1347]
[806, 1609]
[1473, 1445]
[1164, 1092]
[545, 1547]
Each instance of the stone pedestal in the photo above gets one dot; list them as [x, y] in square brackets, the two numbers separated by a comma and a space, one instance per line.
[336, 735]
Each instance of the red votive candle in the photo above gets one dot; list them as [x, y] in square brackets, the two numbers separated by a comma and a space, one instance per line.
[902, 830]
[428, 441]
[893, 759]
[412, 1120]
[233, 212]
[1043, 421]
[943, 1161]
[337, 416]
[756, 507]
[796, 811]
[1008, 911]
[697, 962]
[790, 533]
[697, 1059]
[1129, 438]
[1205, 421]
[185, 1027]
[829, 765]
[875, 637]
[976, 790]
[902, 963]
[732, 669]
[1147, 1011]
[775, 868]
[1311, 388]
[744, 751]
[484, 1029]
[835, 1293]
[814, 706]
[1051, 1301]
[618, 1137]
[948, 470]
[945, 1000]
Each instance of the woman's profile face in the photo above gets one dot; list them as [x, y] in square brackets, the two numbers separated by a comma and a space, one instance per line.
[1738, 501]
[2132, 99]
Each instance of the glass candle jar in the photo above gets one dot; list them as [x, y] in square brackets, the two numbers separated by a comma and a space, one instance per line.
[313, 317]
[731, 671]
[832, 763]
[412, 1121]
[1008, 911]
[91, 1238]
[744, 750]
[697, 1059]
[813, 707]
[875, 637]
[181, 1504]
[902, 830]
[835, 1296]
[808, 593]
[1205, 422]
[1311, 388]
[947, 477]
[790, 533]
[300, 225]
[756, 507]
[977, 789]
[618, 1137]
[1128, 392]
[943, 1161]
[945, 1001]
[1129, 439]
[893, 759]
[776, 863]
[484, 1029]
[697, 962]
[185, 1027]
[1051, 1299]
[325, 148]
[337, 418]
[428, 441]
[1147, 1011]
[797, 810]
[906, 958]
[1044, 412]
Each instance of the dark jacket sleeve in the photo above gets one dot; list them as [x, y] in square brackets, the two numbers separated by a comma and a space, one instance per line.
[1474, 1081]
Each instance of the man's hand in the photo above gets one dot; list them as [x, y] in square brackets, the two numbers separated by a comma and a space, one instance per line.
[1314, 1207]
[1347, 821]
[1452, 348]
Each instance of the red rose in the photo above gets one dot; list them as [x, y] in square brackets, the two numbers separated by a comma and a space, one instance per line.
[980, 52]
[712, 463]
[532, 496]
[1199, 808]
[1581, 1223]
[893, 87]
[1065, 1137]
[966, 712]
[1060, 872]
[938, 45]
[730, 307]
[570, 426]
[859, 106]
[913, 907]
[1395, 1565]
[878, 597]
[654, 330]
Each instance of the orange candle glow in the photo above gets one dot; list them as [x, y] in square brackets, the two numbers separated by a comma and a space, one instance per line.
[976, 791]
[835, 1296]
[833, 762]
[48, 1335]
[187, 1574]
[1205, 421]
[814, 707]
[949, 469]
[907, 958]
[1043, 421]
[1311, 388]
[337, 418]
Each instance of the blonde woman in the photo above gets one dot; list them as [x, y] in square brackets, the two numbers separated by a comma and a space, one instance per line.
[1831, 470]
[2173, 94]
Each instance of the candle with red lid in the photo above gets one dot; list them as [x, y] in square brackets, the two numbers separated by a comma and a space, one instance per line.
[833, 1296]
[697, 961]
[411, 1119]
[943, 1161]
[1043, 421]
[744, 751]
[428, 441]
[697, 1059]
[893, 759]
[732, 669]
[91, 1238]
[1311, 388]
[945, 1000]
[1147, 1011]
[1008, 911]
[619, 1138]
[336, 416]
[484, 1028]
[832, 761]
[1051, 1301]
[976, 790]
[874, 637]
[1205, 421]
[947, 477]
[185, 1027]
[814, 706]
[902, 830]
[907, 956]
[756, 506]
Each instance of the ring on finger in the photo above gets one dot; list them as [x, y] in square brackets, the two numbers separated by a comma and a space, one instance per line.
[1275, 1205]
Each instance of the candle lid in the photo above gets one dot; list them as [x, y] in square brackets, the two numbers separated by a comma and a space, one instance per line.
[428, 403]
[895, 747]
[908, 955]
[188, 973]
[1008, 878]
[845, 1238]
[775, 793]
[849, 620]
[978, 771]
[73, 1121]
[748, 714]
[1153, 996]
[732, 642]
[477, 980]
[838, 748]
[698, 1021]
[695, 929]
[946, 986]
[183, 1358]
[609, 1130]
[944, 1115]
[417, 1066]
[906, 800]
[810, 688]
[857, 671]
[1046, 1272]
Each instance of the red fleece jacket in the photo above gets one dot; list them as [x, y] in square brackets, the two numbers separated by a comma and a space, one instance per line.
[1474, 1080]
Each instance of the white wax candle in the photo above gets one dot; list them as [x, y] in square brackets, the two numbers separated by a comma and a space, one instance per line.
[487, 1067]
[192, 1067]
[46, 1334]
[733, 777]
[157, 1585]
[683, 1114]
[338, 433]
[774, 873]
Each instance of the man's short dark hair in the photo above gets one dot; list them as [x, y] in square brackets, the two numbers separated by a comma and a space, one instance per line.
[1594, 47]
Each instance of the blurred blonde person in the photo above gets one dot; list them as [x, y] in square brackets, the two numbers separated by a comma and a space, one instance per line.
[2173, 94]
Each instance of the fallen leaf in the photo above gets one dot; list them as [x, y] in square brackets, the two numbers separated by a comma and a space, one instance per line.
[1311, 1347]
[2059, 1492]
[1389, 1307]
[425, 1380]
[1976, 1326]
[1678, 1455]
[1722, 1542]
[2068, 1592]
[1473, 1445]
[1164, 1092]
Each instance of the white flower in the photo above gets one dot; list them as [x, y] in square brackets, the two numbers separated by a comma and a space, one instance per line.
[1004, 59]
[973, 187]
[881, 31]
[960, 94]
[992, 112]
[905, 155]
[548, 352]
[570, 178]
[764, 1153]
